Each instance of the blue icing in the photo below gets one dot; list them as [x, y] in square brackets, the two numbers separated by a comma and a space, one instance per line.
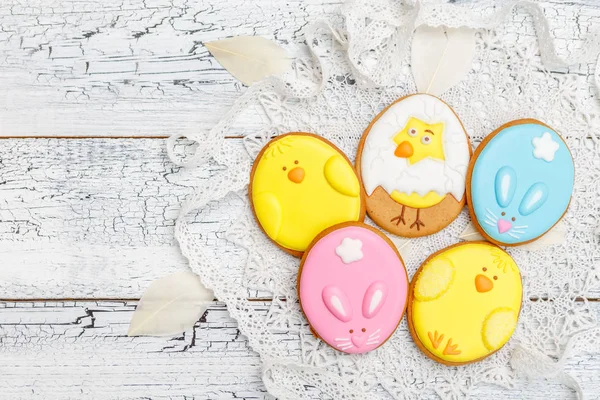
[507, 177]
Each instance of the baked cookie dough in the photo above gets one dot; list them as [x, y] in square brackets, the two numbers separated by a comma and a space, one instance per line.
[301, 184]
[519, 182]
[412, 161]
[353, 287]
[464, 302]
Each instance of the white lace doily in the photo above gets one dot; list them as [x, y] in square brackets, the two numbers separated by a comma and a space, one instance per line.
[357, 63]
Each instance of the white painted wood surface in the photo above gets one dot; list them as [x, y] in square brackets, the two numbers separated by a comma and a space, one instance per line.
[68, 349]
[93, 217]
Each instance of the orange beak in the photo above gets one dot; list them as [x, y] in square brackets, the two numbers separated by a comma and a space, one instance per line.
[404, 150]
[483, 283]
[296, 175]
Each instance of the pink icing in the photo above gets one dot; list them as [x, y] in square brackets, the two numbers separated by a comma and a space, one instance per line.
[369, 293]
[504, 225]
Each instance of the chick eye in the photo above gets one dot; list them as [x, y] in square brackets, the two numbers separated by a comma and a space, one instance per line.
[284, 168]
[412, 132]
[495, 278]
[484, 269]
[296, 162]
[426, 139]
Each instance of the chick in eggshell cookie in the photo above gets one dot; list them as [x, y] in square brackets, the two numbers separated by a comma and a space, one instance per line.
[413, 160]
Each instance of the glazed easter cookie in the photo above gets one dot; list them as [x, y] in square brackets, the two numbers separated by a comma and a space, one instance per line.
[353, 287]
[413, 161]
[519, 182]
[301, 184]
[464, 302]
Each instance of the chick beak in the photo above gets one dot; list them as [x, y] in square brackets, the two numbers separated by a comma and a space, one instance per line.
[296, 175]
[404, 150]
[483, 283]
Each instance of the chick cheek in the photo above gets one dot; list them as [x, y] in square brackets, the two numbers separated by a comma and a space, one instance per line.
[483, 283]
[296, 175]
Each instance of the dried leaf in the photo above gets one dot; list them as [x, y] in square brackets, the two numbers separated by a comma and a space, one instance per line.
[471, 233]
[403, 245]
[249, 58]
[556, 235]
[441, 57]
[170, 305]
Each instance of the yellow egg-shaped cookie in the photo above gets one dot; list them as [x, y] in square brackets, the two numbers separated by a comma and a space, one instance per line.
[464, 302]
[300, 185]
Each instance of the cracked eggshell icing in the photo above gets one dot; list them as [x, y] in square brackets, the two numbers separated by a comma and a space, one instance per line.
[464, 302]
[520, 182]
[413, 162]
[353, 287]
[301, 184]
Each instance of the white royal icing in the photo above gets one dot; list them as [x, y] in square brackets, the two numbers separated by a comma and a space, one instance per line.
[544, 147]
[350, 250]
[380, 167]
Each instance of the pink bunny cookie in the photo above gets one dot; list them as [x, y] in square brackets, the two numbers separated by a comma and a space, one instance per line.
[353, 287]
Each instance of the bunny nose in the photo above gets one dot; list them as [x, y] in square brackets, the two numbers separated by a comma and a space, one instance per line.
[358, 340]
[404, 150]
[296, 175]
[504, 225]
[483, 283]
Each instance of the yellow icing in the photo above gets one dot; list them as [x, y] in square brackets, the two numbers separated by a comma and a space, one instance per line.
[447, 301]
[415, 201]
[434, 148]
[434, 280]
[328, 192]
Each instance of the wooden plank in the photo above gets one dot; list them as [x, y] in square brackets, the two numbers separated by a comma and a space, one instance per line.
[94, 218]
[91, 218]
[55, 350]
[112, 68]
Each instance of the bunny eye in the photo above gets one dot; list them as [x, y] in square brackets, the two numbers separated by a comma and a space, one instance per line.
[426, 139]
[412, 132]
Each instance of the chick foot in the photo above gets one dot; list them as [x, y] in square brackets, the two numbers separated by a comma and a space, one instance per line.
[418, 223]
[400, 218]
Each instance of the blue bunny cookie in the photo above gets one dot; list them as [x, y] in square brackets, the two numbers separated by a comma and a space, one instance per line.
[519, 182]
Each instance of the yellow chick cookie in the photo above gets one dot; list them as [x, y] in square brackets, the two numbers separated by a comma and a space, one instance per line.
[300, 185]
[464, 303]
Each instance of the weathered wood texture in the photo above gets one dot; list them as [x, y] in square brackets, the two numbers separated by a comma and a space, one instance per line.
[57, 350]
[93, 218]
[138, 67]
[128, 68]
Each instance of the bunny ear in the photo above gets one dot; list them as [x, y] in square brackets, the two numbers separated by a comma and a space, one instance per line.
[535, 197]
[505, 186]
[374, 299]
[337, 303]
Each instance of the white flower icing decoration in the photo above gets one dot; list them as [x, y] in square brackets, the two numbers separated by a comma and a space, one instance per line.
[350, 250]
[544, 147]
